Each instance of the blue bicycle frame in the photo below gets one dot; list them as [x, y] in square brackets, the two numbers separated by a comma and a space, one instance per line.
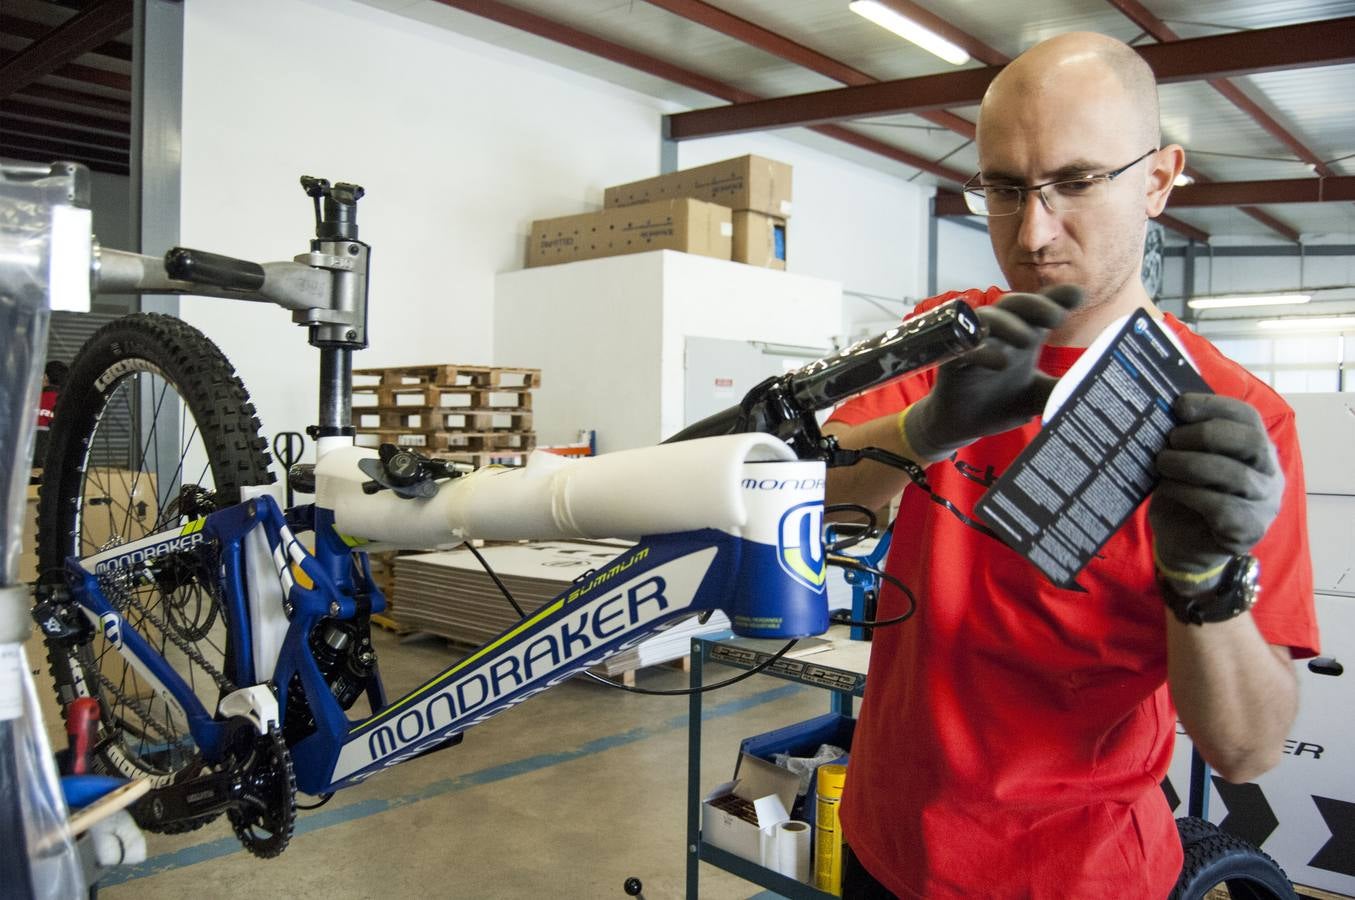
[768, 590]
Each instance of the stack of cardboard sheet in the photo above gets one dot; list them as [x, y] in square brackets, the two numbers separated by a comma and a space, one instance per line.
[451, 595]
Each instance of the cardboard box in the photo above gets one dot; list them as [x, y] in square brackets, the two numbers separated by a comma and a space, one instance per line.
[692, 226]
[803, 739]
[759, 239]
[740, 816]
[747, 182]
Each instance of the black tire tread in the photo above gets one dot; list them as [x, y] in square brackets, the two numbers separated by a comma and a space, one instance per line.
[220, 405]
[1225, 859]
[1193, 829]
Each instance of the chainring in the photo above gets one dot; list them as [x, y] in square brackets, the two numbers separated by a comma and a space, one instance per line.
[265, 812]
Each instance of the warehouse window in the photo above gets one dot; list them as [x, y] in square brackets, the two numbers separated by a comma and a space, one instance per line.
[1293, 363]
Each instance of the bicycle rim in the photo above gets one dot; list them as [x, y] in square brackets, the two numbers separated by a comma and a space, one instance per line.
[160, 435]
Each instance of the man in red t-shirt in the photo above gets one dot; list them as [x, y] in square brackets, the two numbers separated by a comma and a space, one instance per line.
[1014, 734]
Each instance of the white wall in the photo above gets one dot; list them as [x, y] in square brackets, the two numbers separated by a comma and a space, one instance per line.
[860, 227]
[460, 146]
[964, 259]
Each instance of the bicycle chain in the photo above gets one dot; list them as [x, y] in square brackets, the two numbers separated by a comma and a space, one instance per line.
[136, 706]
[186, 646]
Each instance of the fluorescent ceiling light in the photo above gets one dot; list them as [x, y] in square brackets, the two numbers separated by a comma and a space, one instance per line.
[1339, 323]
[909, 30]
[1234, 301]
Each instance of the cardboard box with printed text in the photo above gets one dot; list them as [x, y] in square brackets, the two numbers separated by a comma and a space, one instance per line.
[692, 226]
[746, 182]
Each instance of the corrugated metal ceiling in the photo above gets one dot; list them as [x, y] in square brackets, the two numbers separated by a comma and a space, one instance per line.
[1314, 105]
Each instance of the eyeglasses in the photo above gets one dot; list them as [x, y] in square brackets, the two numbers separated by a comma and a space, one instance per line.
[1064, 196]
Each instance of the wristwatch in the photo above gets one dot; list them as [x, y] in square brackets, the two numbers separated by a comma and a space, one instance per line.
[1235, 593]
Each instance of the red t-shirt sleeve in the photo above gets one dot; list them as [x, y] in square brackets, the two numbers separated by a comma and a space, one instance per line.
[893, 396]
[1284, 611]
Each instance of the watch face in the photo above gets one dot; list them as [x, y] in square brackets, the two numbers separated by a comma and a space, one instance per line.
[1241, 585]
[1249, 579]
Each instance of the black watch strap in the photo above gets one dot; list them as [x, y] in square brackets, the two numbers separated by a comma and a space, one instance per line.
[1235, 593]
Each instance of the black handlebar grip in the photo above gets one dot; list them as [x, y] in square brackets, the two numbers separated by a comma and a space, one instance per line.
[917, 343]
[200, 267]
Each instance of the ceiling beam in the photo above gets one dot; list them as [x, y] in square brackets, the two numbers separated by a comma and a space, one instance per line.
[892, 151]
[13, 126]
[1160, 30]
[30, 30]
[588, 43]
[957, 36]
[572, 37]
[1185, 229]
[46, 150]
[779, 45]
[79, 34]
[1330, 42]
[47, 93]
[742, 30]
[1339, 188]
[1282, 228]
[579, 40]
[754, 35]
[18, 109]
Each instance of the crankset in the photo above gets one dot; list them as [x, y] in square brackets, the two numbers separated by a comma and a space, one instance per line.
[255, 787]
[265, 809]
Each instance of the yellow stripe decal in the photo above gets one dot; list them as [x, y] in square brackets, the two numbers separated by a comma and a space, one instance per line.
[349, 540]
[554, 607]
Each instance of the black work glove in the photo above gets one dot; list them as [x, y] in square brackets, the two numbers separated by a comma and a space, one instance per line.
[995, 387]
[1221, 488]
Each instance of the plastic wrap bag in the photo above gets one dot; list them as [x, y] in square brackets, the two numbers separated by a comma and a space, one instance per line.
[45, 254]
[45, 864]
[804, 766]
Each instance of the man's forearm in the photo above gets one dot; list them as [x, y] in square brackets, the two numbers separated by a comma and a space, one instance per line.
[1236, 694]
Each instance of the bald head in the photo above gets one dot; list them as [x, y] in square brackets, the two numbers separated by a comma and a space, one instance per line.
[1081, 67]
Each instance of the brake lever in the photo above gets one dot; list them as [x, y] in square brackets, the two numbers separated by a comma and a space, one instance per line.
[408, 474]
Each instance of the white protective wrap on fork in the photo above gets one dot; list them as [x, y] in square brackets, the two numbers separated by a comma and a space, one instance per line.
[627, 494]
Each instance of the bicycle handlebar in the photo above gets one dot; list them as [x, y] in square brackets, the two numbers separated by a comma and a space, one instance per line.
[784, 406]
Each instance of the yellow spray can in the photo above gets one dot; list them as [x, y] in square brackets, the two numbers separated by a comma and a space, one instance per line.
[827, 830]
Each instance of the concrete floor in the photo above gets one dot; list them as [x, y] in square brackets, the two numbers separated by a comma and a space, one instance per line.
[564, 796]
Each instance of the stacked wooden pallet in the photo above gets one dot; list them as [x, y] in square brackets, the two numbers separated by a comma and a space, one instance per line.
[474, 414]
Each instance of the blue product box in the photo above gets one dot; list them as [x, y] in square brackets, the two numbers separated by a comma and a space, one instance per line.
[803, 739]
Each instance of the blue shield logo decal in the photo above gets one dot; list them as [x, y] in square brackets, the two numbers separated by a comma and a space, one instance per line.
[800, 548]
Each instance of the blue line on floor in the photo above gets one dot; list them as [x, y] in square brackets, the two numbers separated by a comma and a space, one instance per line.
[327, 818]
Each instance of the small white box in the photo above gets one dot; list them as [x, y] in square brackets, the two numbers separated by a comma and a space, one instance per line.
[768, 791]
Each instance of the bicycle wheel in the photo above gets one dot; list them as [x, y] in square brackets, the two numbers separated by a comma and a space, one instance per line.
[152, 430]
[1224, 859]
